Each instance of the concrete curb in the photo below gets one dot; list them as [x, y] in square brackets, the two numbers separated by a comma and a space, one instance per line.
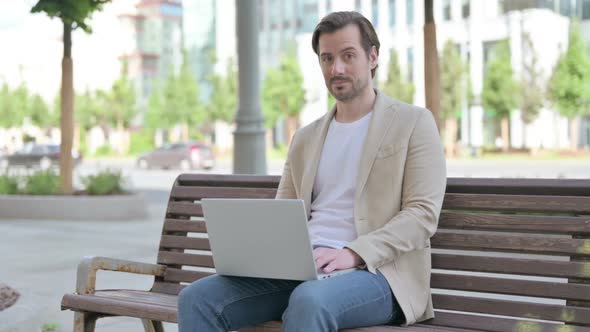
[79, 208]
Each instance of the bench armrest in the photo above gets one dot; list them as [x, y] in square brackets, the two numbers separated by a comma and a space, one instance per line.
[86, 275]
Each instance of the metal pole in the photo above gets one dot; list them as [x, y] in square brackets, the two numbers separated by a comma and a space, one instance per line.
[249, 137]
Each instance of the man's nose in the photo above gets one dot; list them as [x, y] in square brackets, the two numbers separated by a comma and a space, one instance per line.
[337, 67]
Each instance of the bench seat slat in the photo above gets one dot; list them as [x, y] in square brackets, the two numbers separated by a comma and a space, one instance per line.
[511, 243]
[497, 324]
[198, 192]
[161, 307]
[183, 242]
[165, 287]
[522, 266]
[530, 288]
[183, 225]
[519, 223]
[178, 275]
[179, 258]
[577, 315]
[275, 326]
[517, 203]
[189, 209]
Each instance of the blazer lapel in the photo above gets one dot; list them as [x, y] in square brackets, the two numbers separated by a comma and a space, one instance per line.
[381, 121]
[315, 144]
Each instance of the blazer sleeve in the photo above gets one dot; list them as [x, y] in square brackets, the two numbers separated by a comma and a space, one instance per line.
[286, 185]
[423, 189]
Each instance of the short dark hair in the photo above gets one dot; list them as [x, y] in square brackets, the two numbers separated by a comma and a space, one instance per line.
[338, 20]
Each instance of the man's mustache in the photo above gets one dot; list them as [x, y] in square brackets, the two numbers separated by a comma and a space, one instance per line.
[339, 79]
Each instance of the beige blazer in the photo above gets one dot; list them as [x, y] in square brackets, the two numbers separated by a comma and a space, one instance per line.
[399, 193]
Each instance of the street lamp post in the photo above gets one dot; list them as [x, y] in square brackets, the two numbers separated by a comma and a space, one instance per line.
[249, 143]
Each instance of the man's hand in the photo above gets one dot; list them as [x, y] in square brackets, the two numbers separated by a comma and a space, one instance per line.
[335, 259]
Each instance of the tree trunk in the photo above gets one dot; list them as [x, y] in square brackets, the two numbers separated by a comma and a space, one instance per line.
[451, 137]
[431, 65]
[292, 126]
[67, 113]
[184, 133]
[574, 132]
[122, 146]
[505, 132]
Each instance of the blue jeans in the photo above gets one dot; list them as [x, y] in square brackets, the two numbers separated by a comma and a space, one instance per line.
[223, 303]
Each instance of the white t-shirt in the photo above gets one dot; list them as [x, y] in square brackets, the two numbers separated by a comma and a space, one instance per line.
[332, 206]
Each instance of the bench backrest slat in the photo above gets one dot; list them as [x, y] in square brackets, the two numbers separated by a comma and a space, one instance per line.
[544, 289]
[518, 203]
[512, 243]
[506, 265]
[515, 223]
[495, 235]
[553, 312]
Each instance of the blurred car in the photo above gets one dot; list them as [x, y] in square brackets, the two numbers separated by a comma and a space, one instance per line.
[34, 155]
[183, 155]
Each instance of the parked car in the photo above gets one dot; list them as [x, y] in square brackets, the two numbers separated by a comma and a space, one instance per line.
[184, 155]
[34, 155]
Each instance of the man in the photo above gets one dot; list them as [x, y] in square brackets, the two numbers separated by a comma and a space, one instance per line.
[372, 175]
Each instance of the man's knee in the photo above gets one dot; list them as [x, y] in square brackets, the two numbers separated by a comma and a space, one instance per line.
[307, 299]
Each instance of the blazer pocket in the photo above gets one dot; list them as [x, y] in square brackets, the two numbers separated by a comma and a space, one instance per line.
[390, 150]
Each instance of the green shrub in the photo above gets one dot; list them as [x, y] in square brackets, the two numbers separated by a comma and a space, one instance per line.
[8, 185]
[41, 183]
[106, 182]
[104, 151]
[141, 141]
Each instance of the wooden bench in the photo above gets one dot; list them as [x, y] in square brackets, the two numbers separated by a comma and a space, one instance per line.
[510, 255]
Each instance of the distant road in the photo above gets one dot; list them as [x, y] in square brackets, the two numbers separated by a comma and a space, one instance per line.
[163, 179]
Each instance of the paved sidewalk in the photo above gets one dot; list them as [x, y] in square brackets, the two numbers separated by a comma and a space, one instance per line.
[39, 259]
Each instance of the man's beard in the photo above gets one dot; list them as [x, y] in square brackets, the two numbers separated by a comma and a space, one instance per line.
[356, 89]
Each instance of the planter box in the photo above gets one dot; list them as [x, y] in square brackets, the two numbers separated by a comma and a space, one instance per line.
[76, 207]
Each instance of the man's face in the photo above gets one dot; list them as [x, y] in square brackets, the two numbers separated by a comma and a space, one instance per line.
[345, 64]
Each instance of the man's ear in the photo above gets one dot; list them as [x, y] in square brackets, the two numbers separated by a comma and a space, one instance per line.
[373, 57]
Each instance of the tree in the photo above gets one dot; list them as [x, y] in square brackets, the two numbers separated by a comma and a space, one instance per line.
[191, 110]
[39, 112]
[7, 111]
[155, 117]
[500, 90]
[223, 102]
[73, 14]
[532, 94]
[453, 87]
[181, 99]
[569, 86]
[395, 86]
[121, 105]
[283, 95]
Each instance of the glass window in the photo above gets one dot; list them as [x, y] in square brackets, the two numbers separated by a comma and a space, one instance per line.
[375, 12]
[565, 8]
[446, 10]
[329, 6]
[392, 13]
[465, 9]
[357, 5]
[586, 9]
[410, 12]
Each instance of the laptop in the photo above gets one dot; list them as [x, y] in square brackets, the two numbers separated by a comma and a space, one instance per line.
[263, 238]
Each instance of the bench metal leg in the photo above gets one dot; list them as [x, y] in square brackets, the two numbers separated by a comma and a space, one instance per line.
[152, 325]
[84, 322]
